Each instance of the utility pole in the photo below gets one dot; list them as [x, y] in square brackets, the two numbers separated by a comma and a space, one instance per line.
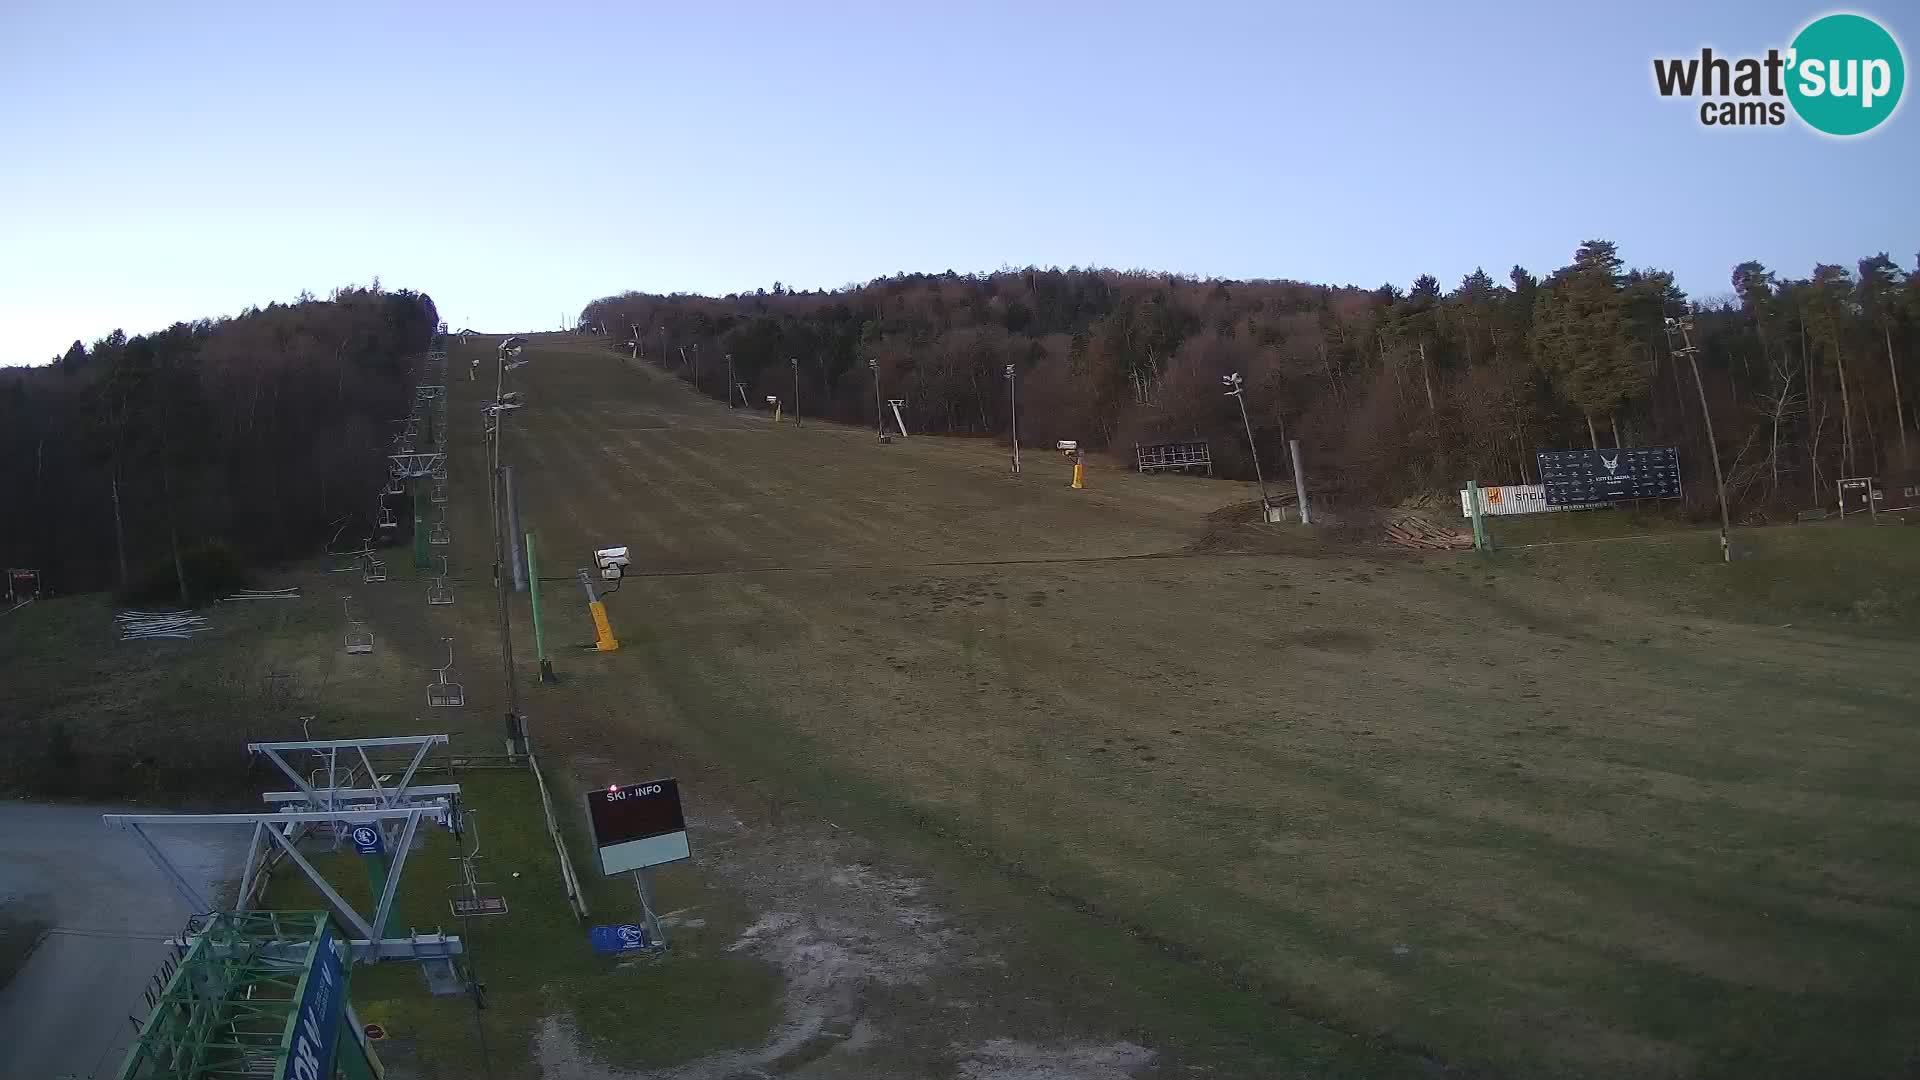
[1233, 381]
[794, 362]
[119, 533]
[1683, 327]
[1013, 417]
[879, 424]
[729, 393]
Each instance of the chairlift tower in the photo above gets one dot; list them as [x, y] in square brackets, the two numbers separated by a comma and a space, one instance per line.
[253, 994]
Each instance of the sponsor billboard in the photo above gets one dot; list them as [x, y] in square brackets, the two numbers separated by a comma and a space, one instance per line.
[1604, 476]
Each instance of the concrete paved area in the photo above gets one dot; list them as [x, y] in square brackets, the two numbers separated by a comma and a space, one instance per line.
[66, 1011]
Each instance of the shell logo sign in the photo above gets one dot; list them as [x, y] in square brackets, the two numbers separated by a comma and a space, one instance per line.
[1508, 499]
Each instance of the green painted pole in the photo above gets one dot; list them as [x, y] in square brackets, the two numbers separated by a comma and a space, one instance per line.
[420, 561]
[547, 676]
[377, 879]
[1479, 522]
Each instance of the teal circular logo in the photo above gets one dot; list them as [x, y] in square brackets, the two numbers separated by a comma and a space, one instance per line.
[1846, 74]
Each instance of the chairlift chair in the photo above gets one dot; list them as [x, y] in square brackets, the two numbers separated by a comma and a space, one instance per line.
[439, 593]
[443, 693]
[440, 493]
[440, 469]
[375, 570]
[385, 518]
[394, 487]
[359, 639]
[439, 534]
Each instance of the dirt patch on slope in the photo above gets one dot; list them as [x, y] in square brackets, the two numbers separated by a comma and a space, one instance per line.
[866, 954]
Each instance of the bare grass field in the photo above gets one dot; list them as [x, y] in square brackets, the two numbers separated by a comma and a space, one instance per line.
[1000, 776]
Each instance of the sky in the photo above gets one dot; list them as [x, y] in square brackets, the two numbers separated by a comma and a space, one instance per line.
[515, 161]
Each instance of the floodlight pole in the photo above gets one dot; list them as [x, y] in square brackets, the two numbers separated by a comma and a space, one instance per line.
[1013, 417]
[729, 394]
[794, 362]
[1684, 327]
[879, 413]
[1233, 380]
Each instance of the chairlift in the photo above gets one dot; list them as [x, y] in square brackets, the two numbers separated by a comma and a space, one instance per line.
[439, 593]
[439, 534]
[440, 493]
[394, 487]
[439, 471]
[359, 639]
[375, 571]
[443, 693]
[386, 519]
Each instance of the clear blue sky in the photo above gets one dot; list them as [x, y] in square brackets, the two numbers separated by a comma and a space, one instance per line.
[517, 160]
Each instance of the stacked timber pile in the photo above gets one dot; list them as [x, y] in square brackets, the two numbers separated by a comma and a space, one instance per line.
[290, 593]
[1422, 534]
[145, 625]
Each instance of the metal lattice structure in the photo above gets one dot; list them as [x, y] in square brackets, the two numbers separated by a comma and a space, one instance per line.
[410, 465]
[230, 1006]
[1195, 454]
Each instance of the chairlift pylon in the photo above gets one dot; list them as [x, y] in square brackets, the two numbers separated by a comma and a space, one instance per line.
[443, 693]
[359, 639]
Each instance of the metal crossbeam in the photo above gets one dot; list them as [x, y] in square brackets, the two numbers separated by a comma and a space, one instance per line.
[350, 796]
[415, 464]
[280, 830]
[329, 749]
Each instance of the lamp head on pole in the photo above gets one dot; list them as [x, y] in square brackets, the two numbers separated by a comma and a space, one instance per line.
[1232, 381]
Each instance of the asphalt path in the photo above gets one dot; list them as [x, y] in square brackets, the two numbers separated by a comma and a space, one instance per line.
[109, 911]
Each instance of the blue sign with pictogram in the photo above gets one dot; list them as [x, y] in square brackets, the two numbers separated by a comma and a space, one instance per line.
[610, 940]
[368, 841]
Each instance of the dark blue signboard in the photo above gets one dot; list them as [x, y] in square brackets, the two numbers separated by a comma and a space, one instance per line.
[368, 841]
[317, 1020]
[609, 940]
[1572, 477]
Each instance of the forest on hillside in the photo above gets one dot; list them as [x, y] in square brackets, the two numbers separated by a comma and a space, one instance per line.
[1392, 392]
[208, 446]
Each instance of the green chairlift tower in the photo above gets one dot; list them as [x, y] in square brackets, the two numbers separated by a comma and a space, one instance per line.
[256, 994]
